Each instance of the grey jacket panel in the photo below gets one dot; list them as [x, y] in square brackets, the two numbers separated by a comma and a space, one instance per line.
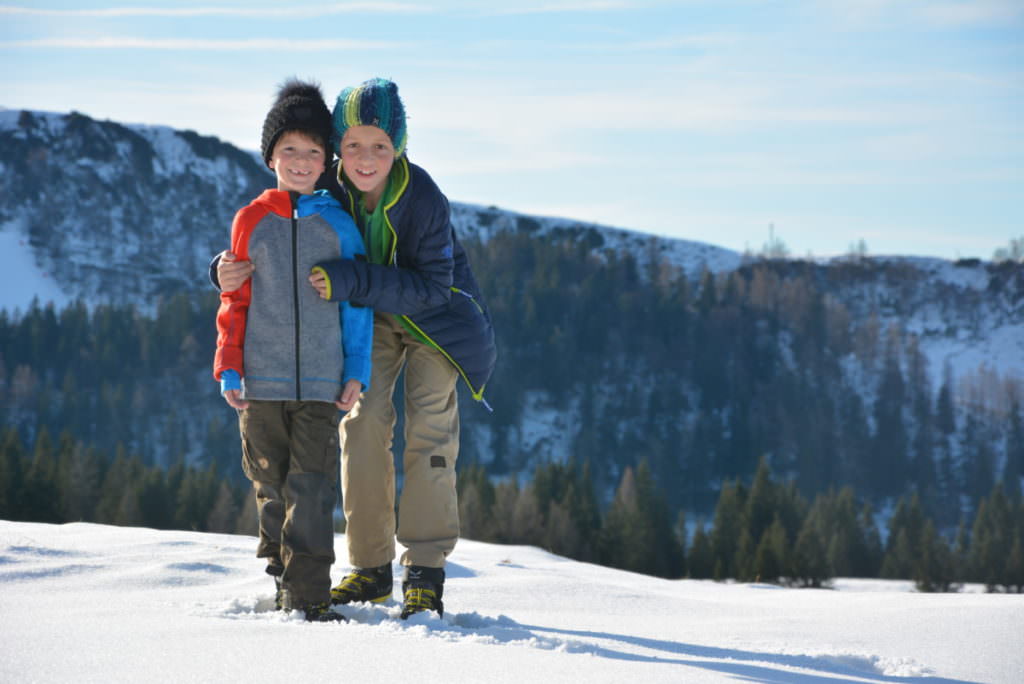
[285, 358]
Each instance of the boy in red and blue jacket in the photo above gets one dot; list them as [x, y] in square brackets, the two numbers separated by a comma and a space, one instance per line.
[289, 360]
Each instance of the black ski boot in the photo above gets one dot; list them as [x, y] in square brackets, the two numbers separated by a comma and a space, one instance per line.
[422, 589]
[314, 612]
[275, 569]
[364, 584]
[322, 612]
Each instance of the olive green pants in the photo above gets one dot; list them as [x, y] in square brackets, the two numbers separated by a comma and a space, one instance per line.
[290, 452]
[428, 512]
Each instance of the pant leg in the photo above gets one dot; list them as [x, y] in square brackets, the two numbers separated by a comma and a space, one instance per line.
[428, 512]
[367, 461]
[265, 462]
[310, 494]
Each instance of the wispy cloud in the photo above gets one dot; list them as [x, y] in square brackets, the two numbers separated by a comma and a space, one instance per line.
[954, 14]
[301, 12]
[942, 13]
[195, 44]
[557, 7]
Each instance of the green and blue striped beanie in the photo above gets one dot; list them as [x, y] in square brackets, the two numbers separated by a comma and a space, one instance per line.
[371, 103]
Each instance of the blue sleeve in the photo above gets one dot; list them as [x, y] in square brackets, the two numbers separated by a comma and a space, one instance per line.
[356, 321]
[357, 342]
[230, 380]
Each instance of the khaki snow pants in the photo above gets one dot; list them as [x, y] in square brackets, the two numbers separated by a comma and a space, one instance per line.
[428, 513]
[290, 452]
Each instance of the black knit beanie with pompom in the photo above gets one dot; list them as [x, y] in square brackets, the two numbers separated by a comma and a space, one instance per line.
[299, 107]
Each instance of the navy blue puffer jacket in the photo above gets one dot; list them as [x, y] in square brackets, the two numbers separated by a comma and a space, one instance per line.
[428, 281]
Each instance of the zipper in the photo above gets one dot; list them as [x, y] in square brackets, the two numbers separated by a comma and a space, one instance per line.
[471, 298]
[295, 294]
[476, 394]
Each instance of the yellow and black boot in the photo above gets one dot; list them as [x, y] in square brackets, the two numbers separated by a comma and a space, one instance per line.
[422, 589]
[364, 584]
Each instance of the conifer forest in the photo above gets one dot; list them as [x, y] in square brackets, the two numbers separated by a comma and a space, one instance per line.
[743, 425]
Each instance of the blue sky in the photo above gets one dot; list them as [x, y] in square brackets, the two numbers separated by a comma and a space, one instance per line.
[896, 122]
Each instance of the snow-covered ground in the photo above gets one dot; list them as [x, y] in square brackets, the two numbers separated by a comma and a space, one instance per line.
[91, 603]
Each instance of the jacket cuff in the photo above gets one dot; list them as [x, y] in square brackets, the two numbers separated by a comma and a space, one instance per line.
[214, 280]
[339, 276]
[357, 368]
[230, 380]
[327, 279]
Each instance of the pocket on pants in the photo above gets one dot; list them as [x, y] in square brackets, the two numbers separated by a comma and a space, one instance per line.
[263, 458]
[315, 438]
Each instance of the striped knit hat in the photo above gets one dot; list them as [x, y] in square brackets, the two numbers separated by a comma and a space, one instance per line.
[371, 103]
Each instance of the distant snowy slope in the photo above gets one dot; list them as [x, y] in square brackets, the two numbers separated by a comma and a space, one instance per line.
[22, 276]
[130, 213]
[112, 212]
[690, 256]
[90, 603]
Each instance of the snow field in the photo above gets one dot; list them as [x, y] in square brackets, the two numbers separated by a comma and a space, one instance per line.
[91, 603]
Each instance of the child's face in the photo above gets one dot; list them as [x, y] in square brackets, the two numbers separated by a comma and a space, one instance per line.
[298, 161]
[367, 156]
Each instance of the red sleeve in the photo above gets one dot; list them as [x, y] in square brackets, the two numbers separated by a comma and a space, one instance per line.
[234, 306]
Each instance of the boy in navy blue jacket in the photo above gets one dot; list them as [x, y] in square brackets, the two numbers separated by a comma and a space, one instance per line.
[430, 320]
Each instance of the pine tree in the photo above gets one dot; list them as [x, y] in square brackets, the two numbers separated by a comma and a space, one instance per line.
[585, 512]
[561, 535]
[935, 570]
[247, 522]
[1014, 469]
[701, 557]
[195, 498]
[744, 557]
[978, 458]
[506, 494]
[224, 512]
[906, 532]
[41, 493]
[82, 491]
[1014, 572]
[115, 481]
[762, 502]
[156, 502]
[129, 508]
[991, 543]
[945, 417]
[728, 526]
[476, 501]
[869, 562]
[681, 535]
[772, 558]
[621, 547]
[527, 519]
[809, 564]
[889, 454]
[12, 483]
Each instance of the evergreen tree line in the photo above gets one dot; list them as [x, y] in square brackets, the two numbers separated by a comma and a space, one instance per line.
[114, 377]
[67, 481]
[697, 379]
[701, 378]
[764, 532]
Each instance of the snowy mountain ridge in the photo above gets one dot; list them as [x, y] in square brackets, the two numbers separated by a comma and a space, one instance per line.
[70, 184]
